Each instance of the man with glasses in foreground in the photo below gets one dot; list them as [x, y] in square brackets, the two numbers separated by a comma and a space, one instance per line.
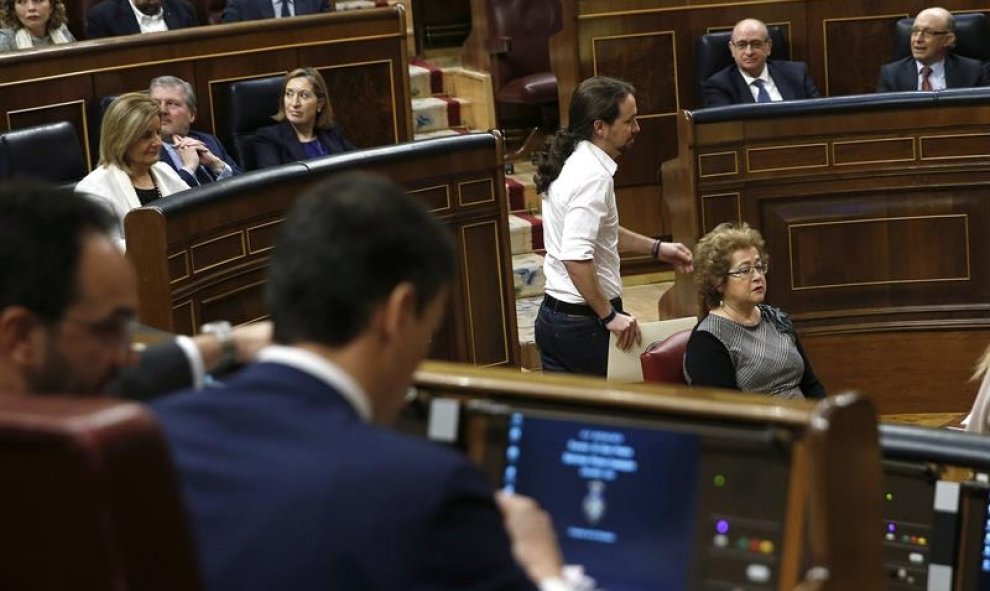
[931, 65]
[752, 79]
[68, 298]
[743, 344]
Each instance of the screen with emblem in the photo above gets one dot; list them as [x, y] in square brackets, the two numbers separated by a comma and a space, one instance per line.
[622, 498]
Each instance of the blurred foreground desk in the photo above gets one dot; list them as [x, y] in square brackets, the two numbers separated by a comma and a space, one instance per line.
[876, 214]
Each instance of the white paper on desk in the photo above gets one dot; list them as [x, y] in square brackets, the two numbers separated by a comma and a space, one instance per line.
[624, 366]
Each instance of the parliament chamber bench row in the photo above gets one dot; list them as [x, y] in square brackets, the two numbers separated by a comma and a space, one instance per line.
[361, 54]
[649, 487]
[242, 107]
[875, 213]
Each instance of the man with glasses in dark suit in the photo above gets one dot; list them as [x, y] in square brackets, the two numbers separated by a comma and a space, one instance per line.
[753, 78]
[932, 66]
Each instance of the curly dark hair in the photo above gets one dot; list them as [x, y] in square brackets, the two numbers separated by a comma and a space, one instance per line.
[595, 98]
[8, 17]
[711, 257]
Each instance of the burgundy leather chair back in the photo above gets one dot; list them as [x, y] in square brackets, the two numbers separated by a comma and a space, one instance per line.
[520, 48]
[90, 499]
[663, 361]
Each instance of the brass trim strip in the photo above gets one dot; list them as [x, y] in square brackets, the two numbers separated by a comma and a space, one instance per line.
[467, 291]
[595, 15]
[738, 198]
[248, 230]
[491, 192]
[673, 47]
[735, 164]
[398, 36]
[921, 141]
[391, 87]
[749, 168]
[227, 294]
[446, 192]
[83, 118]
[185, 263]
[914, 151]
[239, 233]
[825, 22]
[790, 250]
[193, 325]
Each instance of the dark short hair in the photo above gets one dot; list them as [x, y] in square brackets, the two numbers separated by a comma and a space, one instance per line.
[342, 249]
[41, 230]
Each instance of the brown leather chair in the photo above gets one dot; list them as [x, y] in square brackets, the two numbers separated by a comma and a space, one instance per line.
[90, 500]
[663, 361]
[519, 47]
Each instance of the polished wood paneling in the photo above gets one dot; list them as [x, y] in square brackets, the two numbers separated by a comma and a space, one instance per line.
[876, 225]
[362, 53]
[207, 259]
[651, 44]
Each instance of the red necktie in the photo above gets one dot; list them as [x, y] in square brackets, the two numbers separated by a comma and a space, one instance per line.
[926, 84]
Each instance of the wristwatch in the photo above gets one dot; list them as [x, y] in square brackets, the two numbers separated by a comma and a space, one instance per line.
[225, 334]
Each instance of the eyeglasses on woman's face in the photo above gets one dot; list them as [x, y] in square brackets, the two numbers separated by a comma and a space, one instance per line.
[747, 271]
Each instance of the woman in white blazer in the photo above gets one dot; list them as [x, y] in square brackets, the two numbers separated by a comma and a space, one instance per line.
[129, 174]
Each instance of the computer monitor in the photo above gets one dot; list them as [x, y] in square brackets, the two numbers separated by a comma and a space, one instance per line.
[646, 504]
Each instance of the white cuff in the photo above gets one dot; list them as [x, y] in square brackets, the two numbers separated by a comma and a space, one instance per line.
[195, 358]
[572, 578]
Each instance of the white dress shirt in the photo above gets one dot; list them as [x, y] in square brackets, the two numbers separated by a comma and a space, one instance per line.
[581, 222]
[937, 76]
[768, 83]
[150, 24]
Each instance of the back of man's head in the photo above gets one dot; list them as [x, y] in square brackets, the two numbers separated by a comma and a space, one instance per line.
[343, 248]
[40, 243]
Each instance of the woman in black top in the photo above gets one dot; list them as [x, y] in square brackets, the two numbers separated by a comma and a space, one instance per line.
[305, 128]
[743, 343]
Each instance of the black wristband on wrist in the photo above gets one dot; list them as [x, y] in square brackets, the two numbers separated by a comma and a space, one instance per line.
[609, 318]
[656, 248]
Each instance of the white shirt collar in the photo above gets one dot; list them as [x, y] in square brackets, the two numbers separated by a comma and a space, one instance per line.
[938, 68]
[764, 75]
[152, 23]
[601, 155]
[323, 370]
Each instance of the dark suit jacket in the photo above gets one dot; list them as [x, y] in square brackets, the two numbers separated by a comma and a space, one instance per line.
[250, 10]
[163, 368]
[960, 72]
[214, 145]
[287, 488]
[278, 144]
[728, 87]
[111, 18]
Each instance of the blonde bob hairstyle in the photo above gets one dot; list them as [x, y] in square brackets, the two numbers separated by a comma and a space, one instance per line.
[127, 119]
[324, 116]
[8, 15]
[712, 253]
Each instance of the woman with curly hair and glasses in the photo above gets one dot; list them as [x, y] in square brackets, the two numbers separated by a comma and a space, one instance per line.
[742, 343]
[32, 23]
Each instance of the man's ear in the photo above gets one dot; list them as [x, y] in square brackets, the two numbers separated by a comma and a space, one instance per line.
[18, 338]
[398, 310]
[599, 127]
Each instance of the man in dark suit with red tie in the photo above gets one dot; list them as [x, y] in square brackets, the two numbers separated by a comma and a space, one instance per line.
[931, 66]
[754, 79]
